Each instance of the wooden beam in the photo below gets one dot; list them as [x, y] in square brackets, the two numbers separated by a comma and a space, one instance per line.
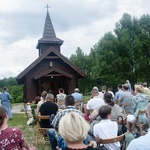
[53, 75]
[51, 57]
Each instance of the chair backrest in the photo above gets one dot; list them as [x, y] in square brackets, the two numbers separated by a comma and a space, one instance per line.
[112, 140]
[40, 117]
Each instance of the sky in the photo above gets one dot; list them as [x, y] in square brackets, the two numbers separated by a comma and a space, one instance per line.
[79, 23]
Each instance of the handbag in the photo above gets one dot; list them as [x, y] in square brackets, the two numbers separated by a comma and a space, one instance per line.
[123, 128]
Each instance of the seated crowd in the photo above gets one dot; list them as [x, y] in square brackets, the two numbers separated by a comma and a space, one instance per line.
[71, 128]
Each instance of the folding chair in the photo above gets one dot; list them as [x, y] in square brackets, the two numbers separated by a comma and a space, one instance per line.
[138, 124]
[113, 140]
[39, 128]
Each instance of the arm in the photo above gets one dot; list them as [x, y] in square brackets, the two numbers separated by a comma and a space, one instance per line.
[87, 111]
[97, 139]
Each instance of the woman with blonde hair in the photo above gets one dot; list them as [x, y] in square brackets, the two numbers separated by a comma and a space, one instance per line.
[73, 128]
[139, 102]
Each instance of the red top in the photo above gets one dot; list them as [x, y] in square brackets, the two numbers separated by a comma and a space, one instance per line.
[11, 139]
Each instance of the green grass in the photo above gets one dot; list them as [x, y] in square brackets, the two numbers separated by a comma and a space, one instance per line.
[29, 132]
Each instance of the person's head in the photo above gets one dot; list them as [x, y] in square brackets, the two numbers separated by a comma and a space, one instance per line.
[138, 88]
[105, 112]
[76, 90]
[3, 115]
[127, 81]
[43, 94]
[94, 92]
[120, 86]
[69, 100]
[108, 99]
[145, 84]
[50, 97]
[103, 88]
[125, 87]
[61, 90]
[73, 128]
[95, 87]
[37, 99]
[5, 89]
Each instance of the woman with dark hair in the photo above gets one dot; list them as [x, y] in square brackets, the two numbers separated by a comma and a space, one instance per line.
[116, 110]
[11, 138]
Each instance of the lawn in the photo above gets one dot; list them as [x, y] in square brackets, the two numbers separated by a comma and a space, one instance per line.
[29, 132]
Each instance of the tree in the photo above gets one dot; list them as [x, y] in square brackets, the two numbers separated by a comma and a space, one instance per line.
[82, 62]
[16, 91]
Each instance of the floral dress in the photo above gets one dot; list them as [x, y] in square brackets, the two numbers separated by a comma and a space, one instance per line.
[12, 139]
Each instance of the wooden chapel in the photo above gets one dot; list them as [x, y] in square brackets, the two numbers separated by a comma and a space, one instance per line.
[51, 70]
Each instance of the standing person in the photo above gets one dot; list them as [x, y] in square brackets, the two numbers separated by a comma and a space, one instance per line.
[5, 101]
[60, 98]
[61, 95]
[11, 138]
[125, 99]
[117, 95]
[106, 128]
[73, 128]
[129, 85]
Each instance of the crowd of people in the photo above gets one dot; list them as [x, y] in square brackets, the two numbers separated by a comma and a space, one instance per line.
[71, 128]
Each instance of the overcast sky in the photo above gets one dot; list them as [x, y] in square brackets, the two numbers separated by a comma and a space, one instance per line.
[80, 23]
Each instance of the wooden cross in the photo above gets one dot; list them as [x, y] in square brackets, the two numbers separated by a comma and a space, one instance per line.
[47, 7]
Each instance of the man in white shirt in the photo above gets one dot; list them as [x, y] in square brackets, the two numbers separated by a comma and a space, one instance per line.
[106, 128]
[95, 103]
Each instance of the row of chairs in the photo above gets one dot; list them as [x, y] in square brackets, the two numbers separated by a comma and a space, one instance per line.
[137, 124]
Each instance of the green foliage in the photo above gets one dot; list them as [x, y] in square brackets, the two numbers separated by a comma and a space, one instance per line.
[124, 54]
[16, 91]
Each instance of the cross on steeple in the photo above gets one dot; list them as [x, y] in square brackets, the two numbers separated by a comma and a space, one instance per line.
[47, 7]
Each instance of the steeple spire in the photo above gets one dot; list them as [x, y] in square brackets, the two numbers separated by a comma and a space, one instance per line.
[47, 7]
[49, 36]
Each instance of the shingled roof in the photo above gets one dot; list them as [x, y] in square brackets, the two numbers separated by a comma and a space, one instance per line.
[49, 35]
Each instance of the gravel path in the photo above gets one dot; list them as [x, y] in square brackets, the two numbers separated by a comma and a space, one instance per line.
[18, 109]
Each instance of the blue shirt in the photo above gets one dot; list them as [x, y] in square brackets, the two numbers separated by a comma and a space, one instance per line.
[118, 94]
[77, 96]
[141, 143]
[5, 96]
